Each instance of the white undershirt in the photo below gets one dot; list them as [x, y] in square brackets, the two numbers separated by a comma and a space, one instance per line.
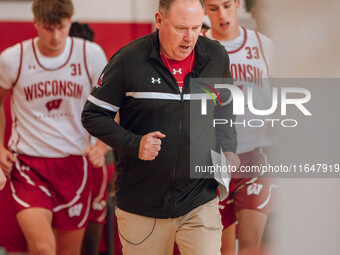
[53, 62]
[232, 44]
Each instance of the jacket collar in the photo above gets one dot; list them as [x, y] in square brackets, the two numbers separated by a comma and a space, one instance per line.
[202, 56]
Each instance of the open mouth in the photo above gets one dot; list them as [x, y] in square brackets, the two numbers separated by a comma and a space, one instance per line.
[224, 24]
[185, 47]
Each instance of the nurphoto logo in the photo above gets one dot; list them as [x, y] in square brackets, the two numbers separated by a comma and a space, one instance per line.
[301, 97]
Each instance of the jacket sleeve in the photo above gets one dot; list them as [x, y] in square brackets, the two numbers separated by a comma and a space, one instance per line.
[226, 135]
[102, 106]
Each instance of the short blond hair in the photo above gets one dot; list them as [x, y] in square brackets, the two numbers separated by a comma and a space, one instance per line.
[52, 11]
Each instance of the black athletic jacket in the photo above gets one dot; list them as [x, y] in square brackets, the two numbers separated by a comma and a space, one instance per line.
[137, 84]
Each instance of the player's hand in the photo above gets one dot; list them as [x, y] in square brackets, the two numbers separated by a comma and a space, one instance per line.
[3, 179]
[6, 160]
[96, 155]
[232, 159]
[150, 145]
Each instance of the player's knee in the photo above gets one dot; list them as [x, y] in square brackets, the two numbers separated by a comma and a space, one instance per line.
[250, 241]
[42, 248]
[225, 250]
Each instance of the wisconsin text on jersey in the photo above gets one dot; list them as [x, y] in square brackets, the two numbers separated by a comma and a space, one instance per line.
[247, 73]
[53, 88]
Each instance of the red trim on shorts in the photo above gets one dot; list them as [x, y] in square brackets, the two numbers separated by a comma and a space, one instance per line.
[52, 69]
[85, 221]
[99, 194]
[15, 123]
[261, 49]
[20, 64]
[244, 42]
[87, 70]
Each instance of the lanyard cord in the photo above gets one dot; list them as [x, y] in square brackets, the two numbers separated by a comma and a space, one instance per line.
[169, 66]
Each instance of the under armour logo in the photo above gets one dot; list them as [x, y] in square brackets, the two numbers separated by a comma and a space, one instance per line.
[177, 71]
[254, 189]
[54, 104]
[75, 210]
[158, 80]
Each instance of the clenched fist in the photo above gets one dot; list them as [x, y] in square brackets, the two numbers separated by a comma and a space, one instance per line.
[150, 145]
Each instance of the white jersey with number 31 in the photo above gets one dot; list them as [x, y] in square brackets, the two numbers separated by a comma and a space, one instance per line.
[48, 96]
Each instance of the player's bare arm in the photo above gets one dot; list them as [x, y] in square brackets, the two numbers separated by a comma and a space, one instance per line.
[6, 157]
[150, 145]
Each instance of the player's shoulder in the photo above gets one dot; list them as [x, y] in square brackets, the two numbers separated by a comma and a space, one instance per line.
[11, 55]
[264, 39]
[11, 52]
[92, 49]
[207, 40]
[210, 45]
[93, 46]
[267, 45]
[257, 36]
[90, 46]
[10, 60]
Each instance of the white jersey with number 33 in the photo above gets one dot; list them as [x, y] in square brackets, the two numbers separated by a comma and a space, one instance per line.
[250, 53]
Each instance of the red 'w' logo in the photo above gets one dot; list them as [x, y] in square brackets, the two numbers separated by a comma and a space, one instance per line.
[54, 104]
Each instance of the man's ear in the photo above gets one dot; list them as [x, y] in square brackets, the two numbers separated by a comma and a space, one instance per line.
[35, 21]
[159, 19]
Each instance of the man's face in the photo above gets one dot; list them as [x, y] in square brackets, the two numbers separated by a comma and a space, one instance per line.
[223, 18]
[52, 38]
[179, 28]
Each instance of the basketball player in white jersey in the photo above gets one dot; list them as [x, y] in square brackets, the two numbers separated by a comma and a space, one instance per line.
[49, 150]
[249, 54]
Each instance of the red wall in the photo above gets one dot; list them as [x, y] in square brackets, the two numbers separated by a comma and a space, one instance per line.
[111, 36]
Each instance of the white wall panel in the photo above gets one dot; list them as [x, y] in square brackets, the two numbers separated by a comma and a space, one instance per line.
[89, 10]
[16, 11]
[102, 11]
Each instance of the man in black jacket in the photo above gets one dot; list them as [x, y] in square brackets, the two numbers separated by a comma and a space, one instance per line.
[147, 81]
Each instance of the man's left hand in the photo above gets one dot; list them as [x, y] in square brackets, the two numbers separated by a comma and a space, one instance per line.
[232, 159]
